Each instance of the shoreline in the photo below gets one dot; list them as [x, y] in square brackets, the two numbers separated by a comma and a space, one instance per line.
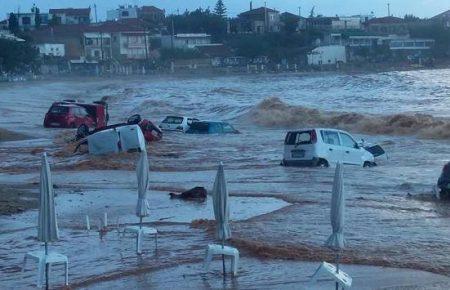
[349, 69]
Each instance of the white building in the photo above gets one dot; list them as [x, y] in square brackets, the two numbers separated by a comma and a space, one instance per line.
[327, 55]
[71, 15]
[51, 49]
[131, 45]
[123, 12]
[185, 40]
[97, 45]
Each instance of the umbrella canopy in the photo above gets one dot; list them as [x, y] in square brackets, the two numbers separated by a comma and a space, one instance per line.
[221, 206]
[336, 240]
[142, 208]
[47, 224]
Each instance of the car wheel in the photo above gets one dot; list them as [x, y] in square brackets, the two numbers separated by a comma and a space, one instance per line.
[323, 163]
[369, 164]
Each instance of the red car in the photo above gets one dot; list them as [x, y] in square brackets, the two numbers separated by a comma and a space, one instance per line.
[72, 114]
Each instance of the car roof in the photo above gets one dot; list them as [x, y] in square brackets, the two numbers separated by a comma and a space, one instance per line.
[318, 129]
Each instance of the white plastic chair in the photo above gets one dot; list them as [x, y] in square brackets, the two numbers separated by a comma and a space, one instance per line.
[226, 251]
[139, 233]
[327, 269]
[50, 259]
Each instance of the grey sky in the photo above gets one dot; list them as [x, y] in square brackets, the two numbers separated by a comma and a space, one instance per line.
[422, 8]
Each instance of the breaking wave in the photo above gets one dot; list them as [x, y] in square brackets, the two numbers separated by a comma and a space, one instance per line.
[273, 112]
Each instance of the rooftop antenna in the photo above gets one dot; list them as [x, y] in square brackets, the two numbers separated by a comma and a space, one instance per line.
[389, 9]
[299, 11]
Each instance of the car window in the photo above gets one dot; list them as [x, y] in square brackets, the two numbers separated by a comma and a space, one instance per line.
[215, 128]
[347, 140]
[330, 137]
[199, 128]
[227, 128]
[173, 120]
[59, 110]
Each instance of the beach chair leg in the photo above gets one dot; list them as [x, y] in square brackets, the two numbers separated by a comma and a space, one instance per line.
[208, 257]
[67, 273]
[235, 263]
[24, 264]
[41, 272]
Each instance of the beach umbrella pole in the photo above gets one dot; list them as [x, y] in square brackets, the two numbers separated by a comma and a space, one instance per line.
[46, 265]
[337, 268]
[223, 257]
[140, 222]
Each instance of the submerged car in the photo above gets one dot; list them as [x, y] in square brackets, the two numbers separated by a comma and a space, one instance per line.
[321, 147]
[72, 114]
[176, 123]
[150, 131]
[131, 135]
[444, 182]
[209, 127]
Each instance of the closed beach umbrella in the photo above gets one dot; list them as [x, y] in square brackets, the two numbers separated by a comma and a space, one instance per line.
[142, 208]
[221, 207]
[336, 241]
[47, 224]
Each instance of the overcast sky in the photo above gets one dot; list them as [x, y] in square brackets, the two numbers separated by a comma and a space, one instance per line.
[422, 8]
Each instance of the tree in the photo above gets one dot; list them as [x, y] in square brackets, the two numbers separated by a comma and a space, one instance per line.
[37, 18]
[411, 18]
[17, 56]
[13, 23]
[54, 21]
[290, 23]
[220, 9]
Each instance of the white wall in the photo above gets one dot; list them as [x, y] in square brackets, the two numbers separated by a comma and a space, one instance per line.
[122, 13]
[185, 42]
[52, 49]
[330, 54]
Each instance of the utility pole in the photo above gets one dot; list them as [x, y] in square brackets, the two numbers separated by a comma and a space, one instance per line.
[299, 11]
[173, 33]
[265, 18]
[95, 11]
[389, 9]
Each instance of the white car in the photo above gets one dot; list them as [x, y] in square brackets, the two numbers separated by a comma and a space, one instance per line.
[322, 147]
[176, 123]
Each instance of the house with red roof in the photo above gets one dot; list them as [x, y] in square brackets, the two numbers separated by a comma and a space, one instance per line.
[388, 25]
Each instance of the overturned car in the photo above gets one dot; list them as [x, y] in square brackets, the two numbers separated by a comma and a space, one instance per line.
[73, 113]
[122, 137]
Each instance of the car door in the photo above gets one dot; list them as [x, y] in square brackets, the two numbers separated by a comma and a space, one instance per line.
[351, 151]
[332, 145]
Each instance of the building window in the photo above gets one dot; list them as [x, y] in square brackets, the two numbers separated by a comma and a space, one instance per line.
[125, 13]
[26, 20]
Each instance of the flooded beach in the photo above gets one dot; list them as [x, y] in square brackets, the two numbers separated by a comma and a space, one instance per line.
[280, 215]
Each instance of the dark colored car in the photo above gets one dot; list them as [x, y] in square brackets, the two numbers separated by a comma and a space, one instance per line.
[207, 127]
[444, 181]
[72, 114]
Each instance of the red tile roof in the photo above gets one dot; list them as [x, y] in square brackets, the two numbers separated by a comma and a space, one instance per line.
[150, 9]
[71, 11]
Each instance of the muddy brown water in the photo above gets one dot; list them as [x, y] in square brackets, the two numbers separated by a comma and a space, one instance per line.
[392, 217]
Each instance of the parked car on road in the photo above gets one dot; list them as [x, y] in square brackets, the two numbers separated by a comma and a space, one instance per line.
[177, 123]
[72, 114]
[209, 127]
[321, 147]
